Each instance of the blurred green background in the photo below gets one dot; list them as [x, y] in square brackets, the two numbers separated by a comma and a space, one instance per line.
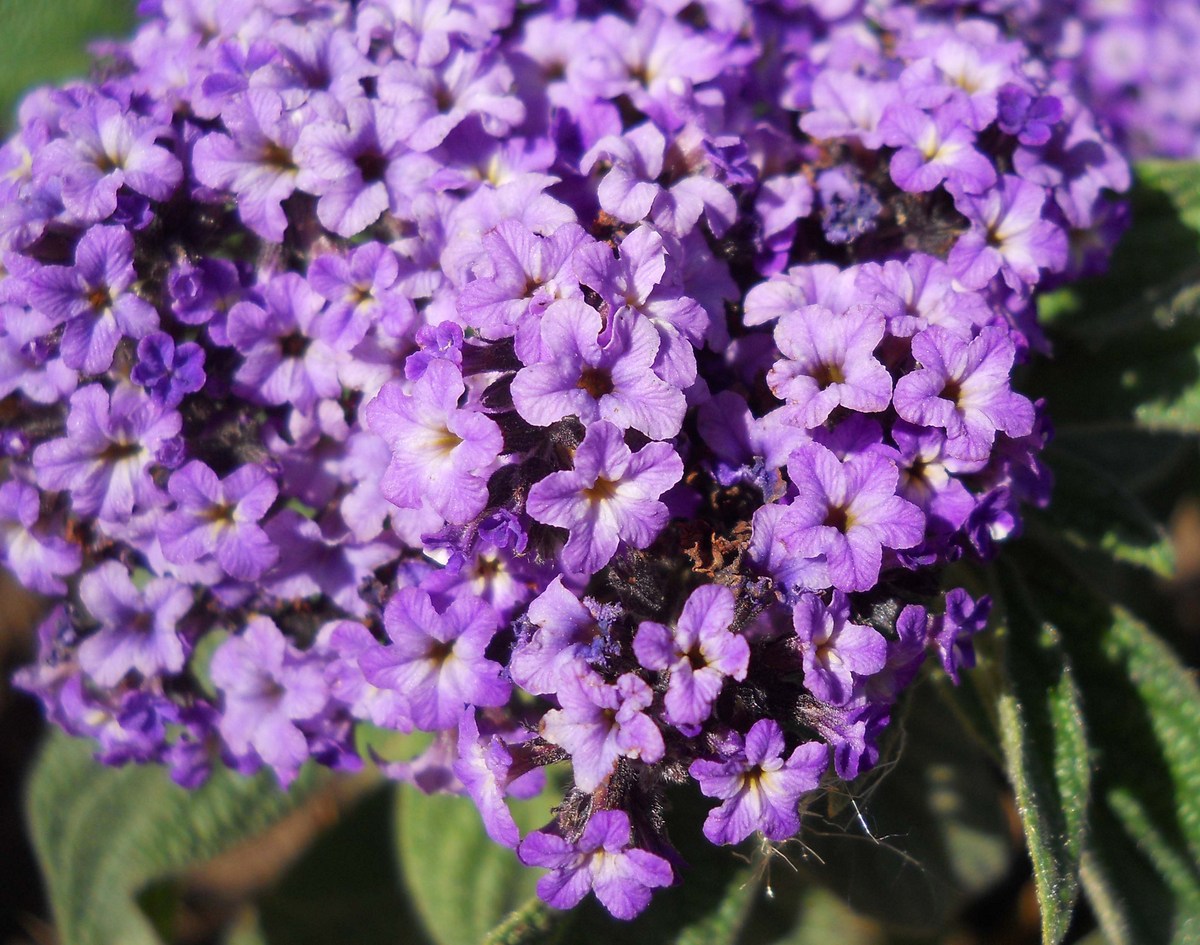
[46, 41]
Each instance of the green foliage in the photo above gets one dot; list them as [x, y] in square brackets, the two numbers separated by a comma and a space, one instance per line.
[45, 42]
[1045, 746]
[936, 832]
[102, 835]
[461, 883]
[1100, 719]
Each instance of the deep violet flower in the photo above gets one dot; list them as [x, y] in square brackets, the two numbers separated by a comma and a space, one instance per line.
[759, 788]
[835, 651]
[846, 513]
[219, 518]
[93, 299]
[420, 345]
[602, 861]
[104, 459]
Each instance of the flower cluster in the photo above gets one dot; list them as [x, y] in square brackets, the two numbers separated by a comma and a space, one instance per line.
[598, 387]
[1132, 61]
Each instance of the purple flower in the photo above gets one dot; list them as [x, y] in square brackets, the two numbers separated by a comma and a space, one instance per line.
[835, 652]
[566, 632]
[104, 148]
[963, 388]
[137, 627]
[951, 633]
[283, 361]
[630, 190]
[645, 279]
[845, 105]
[847, 512]
[362, 291]
[934, 148]
[761, 790]
[219, 517]
[600, 723]
[254, 161]
[267, 687]
[353, 166]
[435, 660]
[525, 273]
[1009, 234]
[38, 560]
[166, 371]
[441, 454]
[612, 380]
[468, 83]
[1029, 118]
[103, 461]
[828, 360]
[699, 654]
[346, 641]
[610, 496]
[602, 860]
[93, 300]
[486, 768]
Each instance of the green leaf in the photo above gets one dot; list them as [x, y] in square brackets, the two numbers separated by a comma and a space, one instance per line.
[461, 882]
[1140, 863]
[346, 884]
[1046, 752]
[1127, 346]
[937, 835]
[45, 42]
[104, 834]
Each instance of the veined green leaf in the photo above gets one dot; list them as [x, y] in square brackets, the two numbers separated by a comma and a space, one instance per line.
[1046, 752]
[103, 834]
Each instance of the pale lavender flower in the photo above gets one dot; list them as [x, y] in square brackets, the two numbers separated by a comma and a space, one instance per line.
[441, 454]
[592, 380]
[137, 626]
[700, 653]
[1009, 234]
[267, 687]
[37, 559]
[828, 361]
[610, 496]
[963, 388]
[600, 723]
[436, 659]
[254, 161]
[104, 148]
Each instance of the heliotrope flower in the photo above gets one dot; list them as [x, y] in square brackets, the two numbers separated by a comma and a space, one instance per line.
[700, 653]
[604, 386]
[611, 495]
[602, 861]
[759, 788]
